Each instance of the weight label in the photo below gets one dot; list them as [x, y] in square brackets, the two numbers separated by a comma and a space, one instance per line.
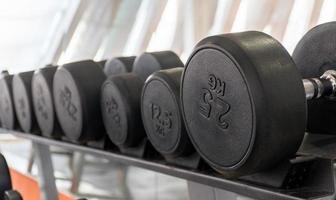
[212, 105]
[41, 102]
[112, 110]
[162, 119]
[65, 99]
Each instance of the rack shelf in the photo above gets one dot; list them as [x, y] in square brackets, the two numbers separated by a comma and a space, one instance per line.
[208, 177]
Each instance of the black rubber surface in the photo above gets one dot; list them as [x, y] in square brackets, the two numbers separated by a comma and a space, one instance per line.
[43, 100]
[243, 102]
[120, 104]
[147, 63]
[161, 113]
[23, 102]
[119, 65]
[314, 54]
[7, 110]
[76, 90]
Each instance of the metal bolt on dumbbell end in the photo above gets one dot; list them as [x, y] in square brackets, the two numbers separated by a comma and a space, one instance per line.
[325, 86]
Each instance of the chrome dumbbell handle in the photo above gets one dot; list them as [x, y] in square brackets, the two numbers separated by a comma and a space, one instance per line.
[325, 86]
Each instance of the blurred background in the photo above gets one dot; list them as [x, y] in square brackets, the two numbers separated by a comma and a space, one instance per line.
[34, 33]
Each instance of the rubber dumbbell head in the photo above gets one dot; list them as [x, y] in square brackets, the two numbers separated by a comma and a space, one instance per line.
[43, 100]
[253, 100]
[76, 89]
[243, 101]
[23, 102]
[161, 113]
[314, 55]
[7, 109]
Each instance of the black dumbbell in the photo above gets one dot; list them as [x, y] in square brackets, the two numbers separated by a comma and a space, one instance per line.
[244, 101]
[7, 110]
[43, 101]
[161, 113]
[76, 88]
[121, 96]
[314, 55]
[22, 98]
[119, 65]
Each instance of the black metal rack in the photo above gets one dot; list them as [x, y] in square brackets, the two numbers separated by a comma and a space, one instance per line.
[320, 184]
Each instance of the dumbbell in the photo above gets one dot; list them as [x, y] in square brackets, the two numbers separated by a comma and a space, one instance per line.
[161, 113]
[22, 99]
[43, 101]
[121, 96]
[76, 88]
[314, 55]
[244, 101]
[77, 98]
[119, 65]
[7, 110]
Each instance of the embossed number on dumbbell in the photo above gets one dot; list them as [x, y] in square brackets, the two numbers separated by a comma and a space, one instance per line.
[41, 103]
[161, 119]
[112, 109]
[212, 103]
[65, 99]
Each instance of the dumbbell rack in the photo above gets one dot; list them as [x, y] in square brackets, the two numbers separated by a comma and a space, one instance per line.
[321, 184]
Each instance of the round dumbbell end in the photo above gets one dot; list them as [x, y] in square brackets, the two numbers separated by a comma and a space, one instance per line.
[114, 110]
[76, 89]
[43, 102]
[22, 101]
[218, 107]
[8, 118]
[68, 103]
[161, 112]
[243, 100]
[120, 97]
